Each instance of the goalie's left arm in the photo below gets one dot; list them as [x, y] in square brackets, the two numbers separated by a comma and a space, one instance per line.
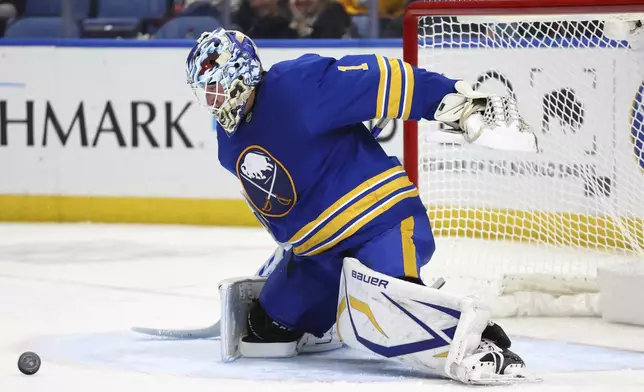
[359, 88]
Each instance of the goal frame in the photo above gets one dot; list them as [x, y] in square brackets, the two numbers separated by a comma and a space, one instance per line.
[481, 8]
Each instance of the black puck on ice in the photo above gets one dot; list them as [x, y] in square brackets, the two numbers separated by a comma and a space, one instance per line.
[29, 363]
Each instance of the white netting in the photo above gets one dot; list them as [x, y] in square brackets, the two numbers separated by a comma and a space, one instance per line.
[513, 222]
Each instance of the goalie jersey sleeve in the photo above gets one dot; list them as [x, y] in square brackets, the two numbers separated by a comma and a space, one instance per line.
[359, 88]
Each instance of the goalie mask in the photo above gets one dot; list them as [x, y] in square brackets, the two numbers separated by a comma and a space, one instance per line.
[223, 70]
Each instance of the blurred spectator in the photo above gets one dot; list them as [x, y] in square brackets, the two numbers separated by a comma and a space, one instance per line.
[320, 19]
[9, 9]
[199, 8]
[389, 11]
[386, 8]
[263, 19]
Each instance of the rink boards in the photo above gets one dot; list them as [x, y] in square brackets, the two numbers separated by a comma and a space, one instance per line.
[108, 132]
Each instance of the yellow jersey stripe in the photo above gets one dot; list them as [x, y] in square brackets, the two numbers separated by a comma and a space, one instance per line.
[382, 87]
[346, 216]
[341, 202]
[408, 247]
[395, 89]
[351, 230]
[409, 90]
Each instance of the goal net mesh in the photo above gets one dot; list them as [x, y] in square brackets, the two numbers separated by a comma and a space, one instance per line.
[531, 230]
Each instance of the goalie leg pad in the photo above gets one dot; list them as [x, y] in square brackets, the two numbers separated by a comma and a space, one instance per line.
[422, 327]
[416, 325]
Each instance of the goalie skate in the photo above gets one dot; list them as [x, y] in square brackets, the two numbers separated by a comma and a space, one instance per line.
[490, 364]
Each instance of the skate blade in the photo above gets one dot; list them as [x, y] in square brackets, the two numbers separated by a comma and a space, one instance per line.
[210, 332]
[502, 379]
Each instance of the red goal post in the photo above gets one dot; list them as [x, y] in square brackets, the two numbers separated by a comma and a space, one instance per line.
[492, 8]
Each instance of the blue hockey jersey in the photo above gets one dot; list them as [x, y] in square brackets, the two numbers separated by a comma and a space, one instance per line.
[309, 167]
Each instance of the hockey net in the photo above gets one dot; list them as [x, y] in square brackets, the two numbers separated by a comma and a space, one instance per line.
[529, 231]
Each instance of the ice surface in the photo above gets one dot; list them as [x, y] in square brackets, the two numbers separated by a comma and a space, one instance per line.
[72, 292]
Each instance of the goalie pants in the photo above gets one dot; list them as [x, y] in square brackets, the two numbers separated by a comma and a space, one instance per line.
[302, 292]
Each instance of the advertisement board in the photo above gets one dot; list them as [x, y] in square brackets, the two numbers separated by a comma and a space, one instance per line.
[113, 133]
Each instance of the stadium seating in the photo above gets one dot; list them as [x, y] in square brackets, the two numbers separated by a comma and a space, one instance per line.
[54, 8]
[40, 27]
[124, 18]
[187, 27]
[43, 19]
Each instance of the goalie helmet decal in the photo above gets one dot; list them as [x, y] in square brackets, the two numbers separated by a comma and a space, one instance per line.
[222, 70]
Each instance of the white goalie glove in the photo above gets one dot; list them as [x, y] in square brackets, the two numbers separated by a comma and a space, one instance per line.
[488, 120]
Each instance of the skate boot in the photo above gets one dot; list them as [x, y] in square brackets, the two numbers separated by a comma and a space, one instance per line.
[267, 338]
[493, 362]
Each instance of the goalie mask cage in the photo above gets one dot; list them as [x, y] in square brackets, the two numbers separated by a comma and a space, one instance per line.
[531, 230]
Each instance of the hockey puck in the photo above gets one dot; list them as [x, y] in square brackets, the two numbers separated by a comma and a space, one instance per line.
[29, 363]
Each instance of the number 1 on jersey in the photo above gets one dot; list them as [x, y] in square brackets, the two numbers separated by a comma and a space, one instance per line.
[345, 68]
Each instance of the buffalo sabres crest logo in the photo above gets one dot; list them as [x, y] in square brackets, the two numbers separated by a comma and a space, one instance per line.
[266, 181]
